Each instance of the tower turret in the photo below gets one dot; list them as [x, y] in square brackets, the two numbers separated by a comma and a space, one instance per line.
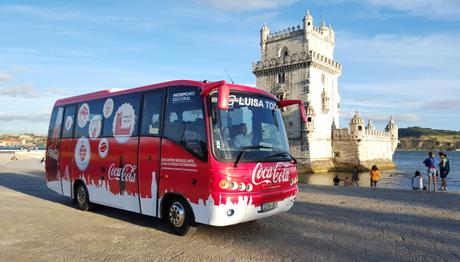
[393, 129]
[357, 125]
[370, 125]
[264, 32]
[307, 22]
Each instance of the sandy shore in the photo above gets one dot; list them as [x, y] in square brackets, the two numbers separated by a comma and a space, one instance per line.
[325, 224]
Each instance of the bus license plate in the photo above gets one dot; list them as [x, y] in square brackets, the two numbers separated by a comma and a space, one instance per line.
[268, 206]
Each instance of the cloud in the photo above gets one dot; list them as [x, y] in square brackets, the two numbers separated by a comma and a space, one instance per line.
[23, 91]
[443, 9]
[30, 116]
[449, 106]
[405, 67]
[382, 118]
[4, 77]
[245, 5]
[65, 14]
[58, 91]
[430, 9]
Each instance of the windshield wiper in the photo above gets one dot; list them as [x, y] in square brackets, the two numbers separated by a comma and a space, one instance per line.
[245, 149]
[284, 154]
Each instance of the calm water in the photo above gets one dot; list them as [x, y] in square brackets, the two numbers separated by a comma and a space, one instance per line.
[407, 163]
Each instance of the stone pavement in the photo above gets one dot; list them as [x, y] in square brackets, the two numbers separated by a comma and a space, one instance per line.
[325, 224]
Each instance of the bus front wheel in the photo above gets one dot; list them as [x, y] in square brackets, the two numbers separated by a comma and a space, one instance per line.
[179, 217]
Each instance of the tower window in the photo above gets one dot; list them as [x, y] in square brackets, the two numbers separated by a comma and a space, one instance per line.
[281, 78]
[360, 128]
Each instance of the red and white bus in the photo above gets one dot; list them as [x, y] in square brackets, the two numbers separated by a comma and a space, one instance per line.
[186, 151]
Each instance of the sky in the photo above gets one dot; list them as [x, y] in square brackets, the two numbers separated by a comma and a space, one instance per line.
[400, 57]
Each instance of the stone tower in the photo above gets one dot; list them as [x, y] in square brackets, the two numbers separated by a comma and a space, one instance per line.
[298, 63]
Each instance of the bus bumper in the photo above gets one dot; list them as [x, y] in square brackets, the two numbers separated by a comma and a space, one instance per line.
[238, 210]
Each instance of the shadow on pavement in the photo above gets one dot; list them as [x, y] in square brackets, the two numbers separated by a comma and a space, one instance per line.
[33, 184]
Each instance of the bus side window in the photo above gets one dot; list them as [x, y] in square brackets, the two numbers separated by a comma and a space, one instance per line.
[185, 122]
[89, 120]
[55, 127]
[69, 121]
[121, 116]
[153, 103]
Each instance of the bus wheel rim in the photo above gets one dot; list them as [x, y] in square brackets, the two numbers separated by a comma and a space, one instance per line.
[81, 196]
[177, 214]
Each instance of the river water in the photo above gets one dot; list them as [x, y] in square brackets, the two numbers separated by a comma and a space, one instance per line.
[407, 162]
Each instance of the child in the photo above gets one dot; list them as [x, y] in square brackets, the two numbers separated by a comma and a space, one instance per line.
[375, 176]
[417, 181]
[346, 182]
[336, 180]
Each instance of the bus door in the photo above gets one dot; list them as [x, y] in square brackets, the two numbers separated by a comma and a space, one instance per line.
[67, 150]
[184, 166]
[149, 152]
[53, 150]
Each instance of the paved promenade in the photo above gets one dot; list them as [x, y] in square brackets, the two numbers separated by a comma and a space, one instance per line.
[325, 224]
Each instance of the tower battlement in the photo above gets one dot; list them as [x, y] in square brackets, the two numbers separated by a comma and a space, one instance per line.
[297, 59]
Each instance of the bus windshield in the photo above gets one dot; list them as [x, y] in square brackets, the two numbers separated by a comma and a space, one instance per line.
[252, 124]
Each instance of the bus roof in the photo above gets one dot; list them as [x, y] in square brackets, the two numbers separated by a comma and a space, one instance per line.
[205, 86]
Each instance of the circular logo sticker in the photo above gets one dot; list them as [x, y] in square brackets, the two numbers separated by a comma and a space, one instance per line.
[83, 115]
[95, 127]
[103, 147]
[123, 123]
[108, 107]
[82, 153]
[68, 122]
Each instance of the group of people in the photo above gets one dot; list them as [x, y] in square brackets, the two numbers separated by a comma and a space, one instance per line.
[435, 168]
[374, 176]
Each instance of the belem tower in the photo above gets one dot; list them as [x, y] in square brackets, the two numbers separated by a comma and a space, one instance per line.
[298, 63]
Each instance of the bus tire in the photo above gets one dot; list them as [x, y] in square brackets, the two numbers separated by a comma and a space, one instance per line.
[179, 216]
[82, 197]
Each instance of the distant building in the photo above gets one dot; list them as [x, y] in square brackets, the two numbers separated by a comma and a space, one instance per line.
[298, 63]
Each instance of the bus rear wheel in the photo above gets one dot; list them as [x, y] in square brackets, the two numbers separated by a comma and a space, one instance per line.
[179, 217]
[82, 198]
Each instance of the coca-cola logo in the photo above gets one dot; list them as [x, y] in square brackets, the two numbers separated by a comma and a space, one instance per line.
[126, 173]
[272, 174]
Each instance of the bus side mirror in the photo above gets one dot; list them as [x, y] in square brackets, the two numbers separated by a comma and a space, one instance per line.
[223, 93]
[303, 114]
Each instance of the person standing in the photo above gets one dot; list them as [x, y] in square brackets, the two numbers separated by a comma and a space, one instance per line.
[444, 168]
[430, 164]
[355, 176]
[374, 176]
[336, 180]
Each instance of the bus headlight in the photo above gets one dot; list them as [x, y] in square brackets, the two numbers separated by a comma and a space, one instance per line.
[242, 187]
[249, 187]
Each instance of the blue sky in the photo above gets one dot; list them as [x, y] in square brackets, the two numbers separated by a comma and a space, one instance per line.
[400, 57]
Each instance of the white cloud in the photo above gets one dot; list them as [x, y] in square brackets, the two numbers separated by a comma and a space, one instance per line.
[29, 116]
[23, 91]
[444, 9]
[431, 9]
[245, 5]
[405, 66]
[448, 105]
[4, 77]
[58, 91]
